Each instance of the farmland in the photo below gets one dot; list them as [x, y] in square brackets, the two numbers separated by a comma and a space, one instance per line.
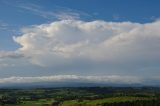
[81, 96]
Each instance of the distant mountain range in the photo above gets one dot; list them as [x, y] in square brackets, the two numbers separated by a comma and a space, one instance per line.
[67, 84]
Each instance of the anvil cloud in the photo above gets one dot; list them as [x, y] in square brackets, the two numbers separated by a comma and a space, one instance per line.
[67, 41]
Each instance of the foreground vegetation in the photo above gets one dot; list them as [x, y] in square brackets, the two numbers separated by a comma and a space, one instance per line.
[87, 96]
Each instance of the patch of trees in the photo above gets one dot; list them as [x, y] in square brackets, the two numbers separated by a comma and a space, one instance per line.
[9, 100]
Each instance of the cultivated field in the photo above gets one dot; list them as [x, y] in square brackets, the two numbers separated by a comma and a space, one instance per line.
[87, 96]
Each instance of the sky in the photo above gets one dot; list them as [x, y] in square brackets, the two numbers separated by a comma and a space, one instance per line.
[111, 41]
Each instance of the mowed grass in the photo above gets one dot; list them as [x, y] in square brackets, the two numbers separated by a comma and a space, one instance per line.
[100, 101]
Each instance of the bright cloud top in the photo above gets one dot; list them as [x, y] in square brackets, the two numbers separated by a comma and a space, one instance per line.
[75, 41]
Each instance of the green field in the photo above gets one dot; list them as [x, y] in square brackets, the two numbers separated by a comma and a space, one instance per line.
[32, 103]
[84, 102]
[100, 101]
[94, 96]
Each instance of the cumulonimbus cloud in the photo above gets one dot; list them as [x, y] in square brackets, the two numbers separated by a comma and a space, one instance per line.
[68, 41]
[97, 44]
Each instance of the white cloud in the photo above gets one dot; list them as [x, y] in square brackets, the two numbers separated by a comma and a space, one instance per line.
[69, 41]
[10, 54]
[59, 78]
[90, 48]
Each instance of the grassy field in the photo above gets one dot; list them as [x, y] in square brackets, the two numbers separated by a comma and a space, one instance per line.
[100, 101]
[33, 103]
[84, 102]
[79, 96]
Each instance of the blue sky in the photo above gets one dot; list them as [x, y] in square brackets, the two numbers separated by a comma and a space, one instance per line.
[117, 39]
[15, 17]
